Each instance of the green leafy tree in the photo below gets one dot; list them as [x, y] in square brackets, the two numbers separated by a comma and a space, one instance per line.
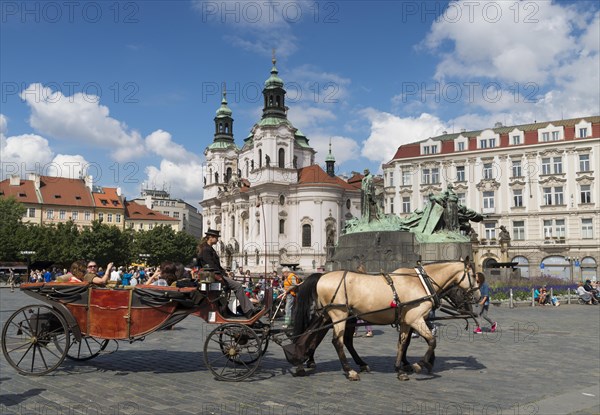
[104, 244]
[11, 215]
[162, 243]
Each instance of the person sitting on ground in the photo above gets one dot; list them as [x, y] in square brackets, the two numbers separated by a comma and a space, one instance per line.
[75, 274]
[208, 258]
[587, 297]
[540, 296]
[93, 278]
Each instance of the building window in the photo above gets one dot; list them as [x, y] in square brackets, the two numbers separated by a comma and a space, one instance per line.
[488, 200]
[560, 228]
[554, 135]
[406, 177]
[545, 136]
[74, 215]
[490, 230]
[548, 228]
[31, 212]
[259, 158]
[554, 228]
[50, 214]
[141, 227]
[150, 226]
[460, 173]
[516, 140]
[462, 198]
[406, 205]
[516, 169]
[100, 217]
[109, 217]
[130, 225]
[435, 175]
[281, 158]
[173, 203]
[487, 171]
[87, 216]
[391, 205]
[281, 226]
[282, 200]
[62, 214]
[557, 165]
[518, 197]
[519, 230]
[176, 215]
[118, 218]
[546, 168]
[487, 143]
[584, 162]
[426, 176]
[257, 226]
[460, 146]
[553, 195]
[391, 178]
[582, 132]
[306, 235]
[587, 228]
[586, 193]
[166, 212]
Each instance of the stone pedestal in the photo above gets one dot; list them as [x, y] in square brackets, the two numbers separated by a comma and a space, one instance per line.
[389, 250]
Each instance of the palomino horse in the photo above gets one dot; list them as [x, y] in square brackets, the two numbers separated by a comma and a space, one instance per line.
[402, 298]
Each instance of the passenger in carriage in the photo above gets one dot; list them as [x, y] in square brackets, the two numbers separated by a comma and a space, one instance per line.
[75, 274]
[208, 258]
[92, 276]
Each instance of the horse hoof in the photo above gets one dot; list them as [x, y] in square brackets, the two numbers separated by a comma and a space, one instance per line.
[403, 376]
[417, 368]
[407, 369]
[311, 364]
[365, 368]
[300, 373]
[352, 375]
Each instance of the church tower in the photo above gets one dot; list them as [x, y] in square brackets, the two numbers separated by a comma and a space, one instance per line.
[221, 154]
[330, 162]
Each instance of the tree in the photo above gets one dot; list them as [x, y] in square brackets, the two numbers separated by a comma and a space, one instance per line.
[162, 243]
[103, 244]
[11, 216]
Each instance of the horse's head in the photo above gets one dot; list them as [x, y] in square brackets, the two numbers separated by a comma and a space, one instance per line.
[468, 281]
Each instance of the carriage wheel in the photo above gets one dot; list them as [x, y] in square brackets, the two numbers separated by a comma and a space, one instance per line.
[250, 358]
[87, 348]
[232, 352]
[35, 340]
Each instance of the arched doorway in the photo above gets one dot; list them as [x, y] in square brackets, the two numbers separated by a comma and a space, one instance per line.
[589, 269]
[556, 266]
[523, 265]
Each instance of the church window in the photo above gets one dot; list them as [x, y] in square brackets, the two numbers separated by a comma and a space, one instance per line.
[277, 101]
[281, 226]
[282, 200]
[348, 203]
[306, 235]
[233, 226]
[259, 159]
[281, 158]
[228, 175]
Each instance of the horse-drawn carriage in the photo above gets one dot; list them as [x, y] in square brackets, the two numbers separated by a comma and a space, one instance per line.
[77, 320]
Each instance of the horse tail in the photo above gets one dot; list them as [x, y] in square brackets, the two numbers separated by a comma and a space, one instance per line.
[305, 299]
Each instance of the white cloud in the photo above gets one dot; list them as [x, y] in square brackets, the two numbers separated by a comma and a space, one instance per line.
[3, 124]
[69, 166]
[388, 132]
[303, 117]
[343, 148]
[160, 142]
[81, 118]
[181, 179]
[24, 153]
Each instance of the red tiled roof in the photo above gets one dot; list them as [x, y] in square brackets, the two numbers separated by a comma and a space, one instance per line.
[135, 211]
[65, 192]
[356, 180]
[315, 175]
[109, 199]
[24, 192]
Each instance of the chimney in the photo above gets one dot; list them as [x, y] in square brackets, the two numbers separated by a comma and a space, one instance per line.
[498, 125]
[35, 178]
[89, 182]
[15, 180]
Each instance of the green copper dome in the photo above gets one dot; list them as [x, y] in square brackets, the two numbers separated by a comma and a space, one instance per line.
[274, 80]
[224, 110]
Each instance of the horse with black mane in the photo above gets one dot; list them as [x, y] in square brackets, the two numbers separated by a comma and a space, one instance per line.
[404, 297]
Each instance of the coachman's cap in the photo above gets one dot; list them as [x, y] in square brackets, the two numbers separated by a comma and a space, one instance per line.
[213, 232]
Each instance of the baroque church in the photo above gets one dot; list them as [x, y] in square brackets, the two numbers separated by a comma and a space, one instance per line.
[273, 205]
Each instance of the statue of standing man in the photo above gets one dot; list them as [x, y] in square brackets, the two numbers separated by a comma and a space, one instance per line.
[368, 206]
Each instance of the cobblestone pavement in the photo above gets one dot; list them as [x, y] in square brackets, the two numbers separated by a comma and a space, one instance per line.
[543, 360]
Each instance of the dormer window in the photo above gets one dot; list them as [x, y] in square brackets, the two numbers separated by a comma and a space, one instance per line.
[550, 133]
[57, 196]
[22, 195]
[104, 202]
[77, 197]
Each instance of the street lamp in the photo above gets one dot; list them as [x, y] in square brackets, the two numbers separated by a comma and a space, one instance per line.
[573, 262]
[28, 255]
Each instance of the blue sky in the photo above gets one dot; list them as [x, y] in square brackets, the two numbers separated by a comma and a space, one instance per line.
[128, 90]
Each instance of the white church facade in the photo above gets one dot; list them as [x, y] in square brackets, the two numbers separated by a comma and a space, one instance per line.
[273, 205]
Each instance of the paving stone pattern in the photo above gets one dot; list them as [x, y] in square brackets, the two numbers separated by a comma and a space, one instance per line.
[543, 360]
